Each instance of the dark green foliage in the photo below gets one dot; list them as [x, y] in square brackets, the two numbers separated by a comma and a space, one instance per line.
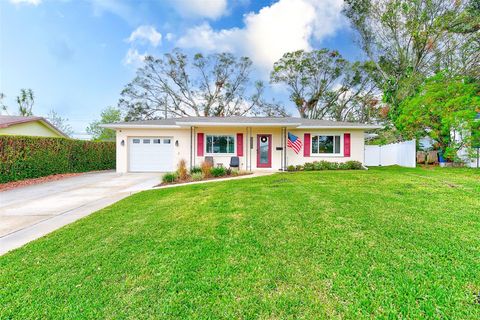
[170, 177]
[33, 157]
[195, 170]
[218, 171]
[291, 168]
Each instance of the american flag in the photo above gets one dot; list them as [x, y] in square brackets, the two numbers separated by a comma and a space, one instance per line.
[294, 143]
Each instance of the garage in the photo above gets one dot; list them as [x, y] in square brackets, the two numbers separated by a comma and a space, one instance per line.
[150, 154]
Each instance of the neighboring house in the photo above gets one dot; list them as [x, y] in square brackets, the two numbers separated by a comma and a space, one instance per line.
[260, 143]
[28, 126]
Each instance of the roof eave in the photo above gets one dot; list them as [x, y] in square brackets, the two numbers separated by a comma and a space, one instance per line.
[372, 127]
[139, 126]
[238, 124]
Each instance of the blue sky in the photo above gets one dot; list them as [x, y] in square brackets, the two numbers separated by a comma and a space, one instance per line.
[78, 55]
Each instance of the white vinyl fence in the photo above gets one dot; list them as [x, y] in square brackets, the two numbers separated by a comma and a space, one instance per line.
[401, 153]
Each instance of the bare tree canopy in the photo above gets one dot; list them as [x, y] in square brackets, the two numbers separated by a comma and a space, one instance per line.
[323, 85]
[25, 102]
[175, 85]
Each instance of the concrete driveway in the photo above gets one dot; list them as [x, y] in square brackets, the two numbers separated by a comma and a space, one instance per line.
[31, 212]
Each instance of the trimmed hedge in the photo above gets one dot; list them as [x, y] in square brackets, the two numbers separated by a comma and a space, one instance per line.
[24, 157]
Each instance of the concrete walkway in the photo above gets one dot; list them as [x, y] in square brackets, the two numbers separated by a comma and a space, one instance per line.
[31, 212]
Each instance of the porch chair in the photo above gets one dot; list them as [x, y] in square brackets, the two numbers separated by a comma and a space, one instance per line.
[235, 162]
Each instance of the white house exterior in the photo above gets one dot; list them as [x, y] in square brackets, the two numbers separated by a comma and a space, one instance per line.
[260, 143]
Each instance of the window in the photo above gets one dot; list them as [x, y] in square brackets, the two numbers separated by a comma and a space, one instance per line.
[136, 141]
[166, 141]
[156, 141]
[325, 144]
[220, 144]
[146, 141]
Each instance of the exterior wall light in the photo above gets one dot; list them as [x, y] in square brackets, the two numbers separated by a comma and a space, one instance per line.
[122, 143]
[176, 143]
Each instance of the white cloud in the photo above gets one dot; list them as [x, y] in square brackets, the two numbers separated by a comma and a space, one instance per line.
[169, 36]
[133, 57]
[285, 26]
[146, 34]
[211, 9]
[32, 2]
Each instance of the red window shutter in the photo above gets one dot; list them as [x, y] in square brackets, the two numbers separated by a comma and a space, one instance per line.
[346, 145]
[306, 145]
[200, 144]
[240, 144]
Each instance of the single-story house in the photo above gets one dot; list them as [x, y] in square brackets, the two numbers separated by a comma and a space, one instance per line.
[28, 126]
[261, 143]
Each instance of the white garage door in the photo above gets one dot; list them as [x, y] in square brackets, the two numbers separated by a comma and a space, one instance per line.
[151, 154]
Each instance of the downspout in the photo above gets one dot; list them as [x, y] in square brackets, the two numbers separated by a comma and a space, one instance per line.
[250, 142]
[285, 149]
[246, 148]
[191, 148]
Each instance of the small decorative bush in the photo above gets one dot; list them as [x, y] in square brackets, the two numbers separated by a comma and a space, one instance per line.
[197, 176]
[228, 171]
[206, 167]
[354, 165]
[327, 165]
[308, 166]
[218, 172]
[195, 170]
[170, 177]
[182, 170]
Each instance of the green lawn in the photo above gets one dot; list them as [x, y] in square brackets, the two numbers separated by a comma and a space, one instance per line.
[386, 243]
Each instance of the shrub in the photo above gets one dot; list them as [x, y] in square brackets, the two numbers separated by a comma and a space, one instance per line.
[299, 167]
[218, 172]
[291, 168]
[197, 176]
[170, 177]
[195, 170]
[308, 166]
[354, 165]
[182, 170]
[228, 171]
[206, 167]
[33, 157]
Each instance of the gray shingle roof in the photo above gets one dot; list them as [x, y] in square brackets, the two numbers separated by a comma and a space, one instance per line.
[196, 121]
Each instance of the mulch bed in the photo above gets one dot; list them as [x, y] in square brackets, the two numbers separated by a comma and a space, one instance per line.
[205, 179]
[28, 182]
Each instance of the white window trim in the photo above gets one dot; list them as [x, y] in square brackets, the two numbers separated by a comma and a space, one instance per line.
[327, 155]
[220, 154]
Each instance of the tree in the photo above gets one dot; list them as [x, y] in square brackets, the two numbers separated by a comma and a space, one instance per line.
[406, 39]
[25, 102]
[323, 85]
[175, 85]
[60, 123]
[108, 115]
[442, 106]
[3, 107]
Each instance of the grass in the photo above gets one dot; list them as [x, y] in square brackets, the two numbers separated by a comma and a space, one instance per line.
[383, 243]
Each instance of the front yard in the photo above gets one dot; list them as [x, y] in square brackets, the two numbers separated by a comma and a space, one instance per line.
[388, 242]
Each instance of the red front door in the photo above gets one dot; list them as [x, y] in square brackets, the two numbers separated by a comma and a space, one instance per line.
[264, 151]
